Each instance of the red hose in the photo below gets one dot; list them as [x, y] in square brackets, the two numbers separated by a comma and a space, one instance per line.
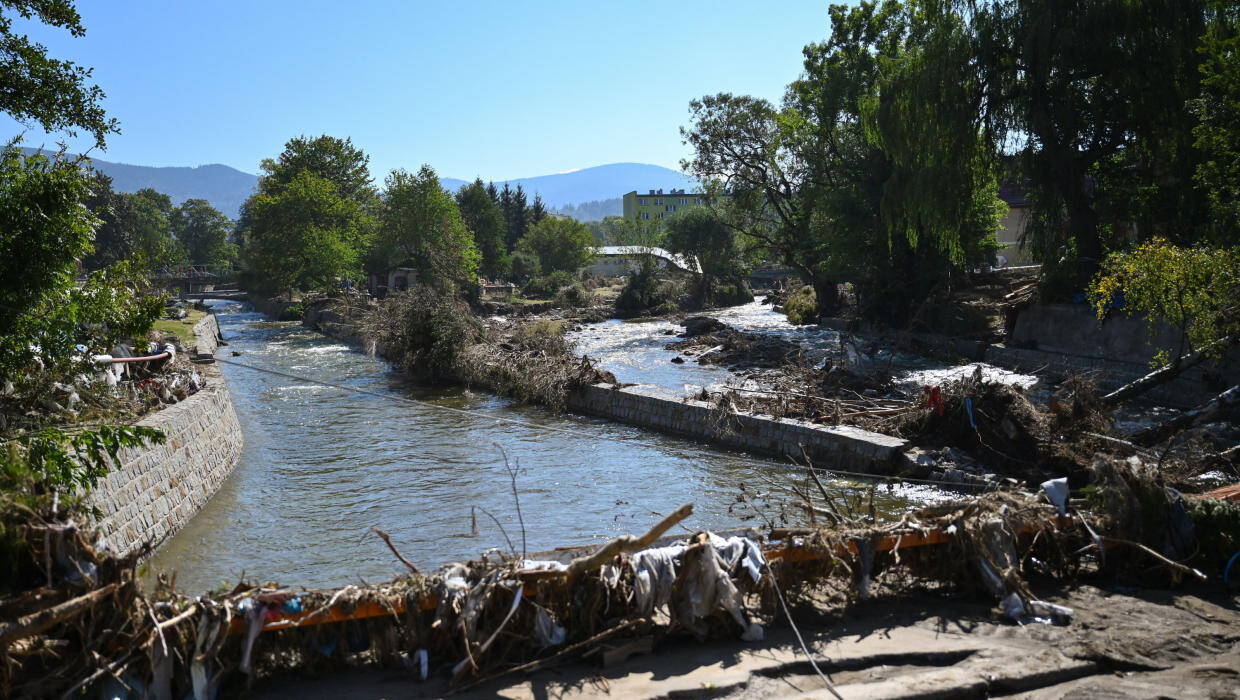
[160, 356]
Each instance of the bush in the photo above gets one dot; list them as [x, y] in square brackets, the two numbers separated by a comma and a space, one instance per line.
[547, 286]
[575, 296]
[802, 306]
[427, 331]
[645, 293]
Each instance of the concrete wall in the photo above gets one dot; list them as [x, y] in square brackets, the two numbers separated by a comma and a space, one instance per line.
[155, 490]
[841, 447]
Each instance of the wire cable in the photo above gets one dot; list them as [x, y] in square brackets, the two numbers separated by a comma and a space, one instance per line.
[578, 433]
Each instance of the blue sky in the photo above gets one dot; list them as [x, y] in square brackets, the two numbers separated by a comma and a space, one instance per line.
[492, 89]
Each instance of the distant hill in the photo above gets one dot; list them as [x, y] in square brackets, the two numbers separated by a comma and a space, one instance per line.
[588, 194]
[223, 186]
[602, 182]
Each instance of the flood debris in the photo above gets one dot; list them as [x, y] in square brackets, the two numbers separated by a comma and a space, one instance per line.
[91, 624]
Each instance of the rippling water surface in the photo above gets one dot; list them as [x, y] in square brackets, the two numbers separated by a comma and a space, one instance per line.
[322, 465]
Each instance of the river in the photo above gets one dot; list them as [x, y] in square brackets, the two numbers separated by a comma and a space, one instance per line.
[321, 465]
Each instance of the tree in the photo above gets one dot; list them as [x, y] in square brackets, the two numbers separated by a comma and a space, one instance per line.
[698, 234]
[131, 227]
[328, 157]
[55, 94]
[559, 244]
[1193, 290]
[485, 222]
[1217, 132]
[305, 236]
[1097, 93]
[536, 211]
[420, 223]
[203, 231]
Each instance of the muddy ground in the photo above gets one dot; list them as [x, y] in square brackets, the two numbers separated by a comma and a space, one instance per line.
[1122, 643]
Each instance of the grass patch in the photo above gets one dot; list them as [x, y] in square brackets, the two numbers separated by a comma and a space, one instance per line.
[183, 329]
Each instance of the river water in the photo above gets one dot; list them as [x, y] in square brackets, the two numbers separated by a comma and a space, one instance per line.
[321, 465]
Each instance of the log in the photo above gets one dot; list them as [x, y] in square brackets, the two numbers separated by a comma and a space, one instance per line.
[626, 543]
[1210, 410]
[35, 623]
[1164, 374]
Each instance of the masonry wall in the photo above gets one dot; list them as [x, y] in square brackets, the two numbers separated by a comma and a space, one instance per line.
[841, 447]
[155, 490]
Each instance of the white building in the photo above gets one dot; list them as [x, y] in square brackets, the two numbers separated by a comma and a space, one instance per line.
[616, 260]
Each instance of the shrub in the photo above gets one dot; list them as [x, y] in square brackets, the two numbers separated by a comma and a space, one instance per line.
[575, 296]
[547, 286]
[802, 306]
[427, 329]
[645, 293]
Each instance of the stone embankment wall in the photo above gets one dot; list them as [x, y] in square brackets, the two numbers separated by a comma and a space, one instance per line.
[155, 490]
[841, 447]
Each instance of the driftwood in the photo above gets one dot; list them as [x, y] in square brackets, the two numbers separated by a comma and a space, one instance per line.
[1211, 410]
[388, 539]
[37, 622]
[626, 543]
[1165, 373]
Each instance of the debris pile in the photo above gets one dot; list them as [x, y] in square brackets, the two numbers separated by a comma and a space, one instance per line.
[83, 621]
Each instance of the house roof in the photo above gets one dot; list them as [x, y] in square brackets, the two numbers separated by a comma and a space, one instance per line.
[689, 264]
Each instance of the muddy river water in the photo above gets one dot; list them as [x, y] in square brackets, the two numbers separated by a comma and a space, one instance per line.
[322, 465]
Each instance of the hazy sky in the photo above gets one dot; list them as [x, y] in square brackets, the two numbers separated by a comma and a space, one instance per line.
[497, 89]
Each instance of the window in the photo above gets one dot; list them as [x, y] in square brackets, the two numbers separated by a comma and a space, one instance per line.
[684, 200]
[645, 215]
[642, 201]
[659, 201]
[671, 207]
[698, 200]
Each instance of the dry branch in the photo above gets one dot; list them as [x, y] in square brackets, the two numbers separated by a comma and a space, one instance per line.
[627, 543]
[37, 622]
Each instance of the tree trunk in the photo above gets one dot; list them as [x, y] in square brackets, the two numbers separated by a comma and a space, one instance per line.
[1083, 226]
[1211, 410]
[827, 293]
[1163, 374]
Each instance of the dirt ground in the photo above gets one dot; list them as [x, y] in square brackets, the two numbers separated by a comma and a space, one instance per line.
[1122, 643]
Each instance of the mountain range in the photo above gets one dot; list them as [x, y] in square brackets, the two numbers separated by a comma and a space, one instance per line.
[588, 193]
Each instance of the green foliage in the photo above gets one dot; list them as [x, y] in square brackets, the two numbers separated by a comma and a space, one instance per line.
[547, 286]
[1194, 290]
[72, 461]
[57, 95]
[203, 231]
[43, 232]
[525, 265]
[575, 296]
[700, 234]
[485, 221]
[644, 293]
[328, 157]
[801, 306]
[420, 224]
[1218, 130]
[305, 235]
[559, 244]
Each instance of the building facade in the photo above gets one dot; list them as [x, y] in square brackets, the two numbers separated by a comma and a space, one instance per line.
[657, 204]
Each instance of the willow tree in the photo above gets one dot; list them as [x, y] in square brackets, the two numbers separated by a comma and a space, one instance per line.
[842, 181]
[1094, 96]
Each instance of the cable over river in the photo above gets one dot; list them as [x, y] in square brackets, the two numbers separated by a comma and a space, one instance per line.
[322, 465]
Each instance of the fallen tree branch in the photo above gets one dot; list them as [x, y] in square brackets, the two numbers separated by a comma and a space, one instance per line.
[1165, 373]
[37, 622]
[1173, 564]
[1210, 410]
[388, 540]
[535, 665]
[627, 543]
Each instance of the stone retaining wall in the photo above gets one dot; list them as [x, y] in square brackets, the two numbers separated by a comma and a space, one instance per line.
[156, 489]
[841, 447]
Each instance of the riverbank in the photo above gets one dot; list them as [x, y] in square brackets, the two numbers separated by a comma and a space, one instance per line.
[154, 490]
